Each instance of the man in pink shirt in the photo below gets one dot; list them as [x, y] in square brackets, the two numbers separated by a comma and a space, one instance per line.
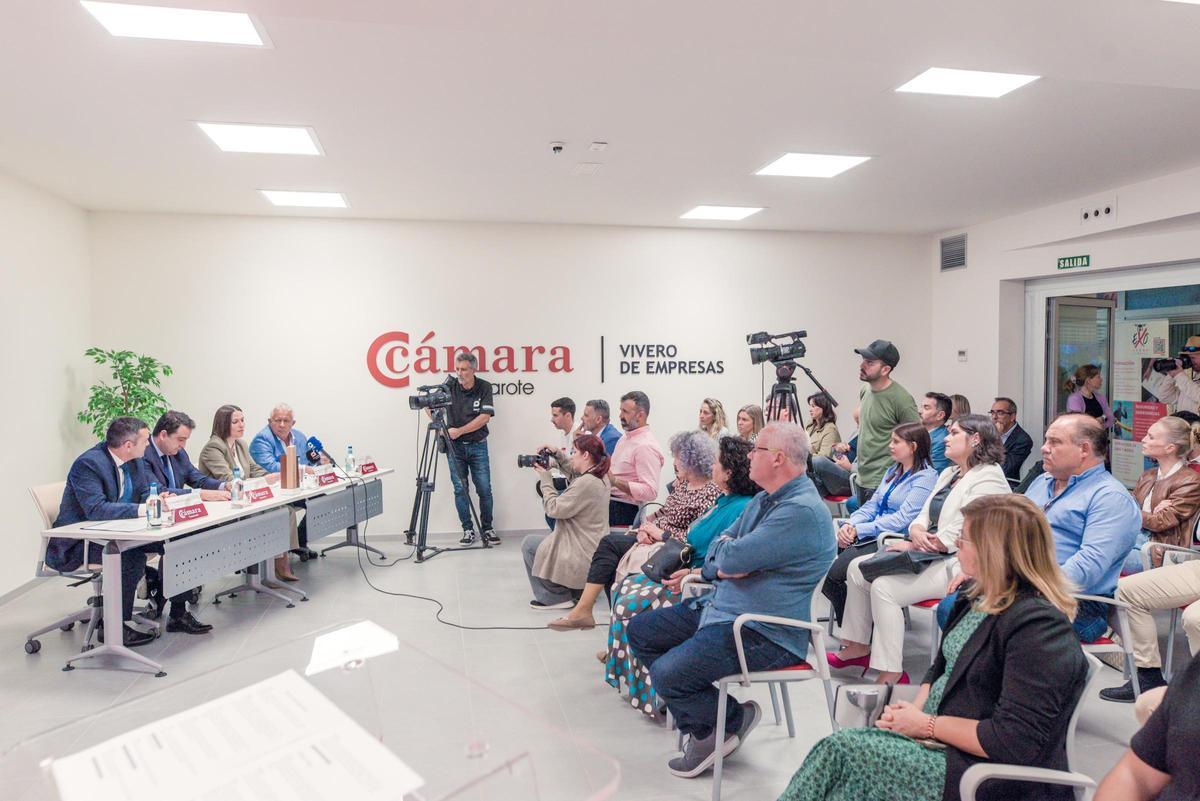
[636, 461]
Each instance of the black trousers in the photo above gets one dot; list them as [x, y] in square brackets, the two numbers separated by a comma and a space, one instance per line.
[133, 567]
[621, 513]
[834, 586]
[612, 547]
[155, 586]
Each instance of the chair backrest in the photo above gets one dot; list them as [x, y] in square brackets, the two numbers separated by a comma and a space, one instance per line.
[48, 497]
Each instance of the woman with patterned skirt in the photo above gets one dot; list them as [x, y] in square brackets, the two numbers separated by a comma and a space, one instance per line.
[637, 593]
[1003, 688]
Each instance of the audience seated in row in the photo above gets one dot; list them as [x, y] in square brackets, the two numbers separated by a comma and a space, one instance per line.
[638, 593]
[768, 562]
[1006, 679]
[693, 494]
[1093, 518]
[896, 504]
[873, 625]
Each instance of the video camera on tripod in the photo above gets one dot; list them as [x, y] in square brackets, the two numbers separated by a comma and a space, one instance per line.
[782, 350]
[432, 396]
[764, 348]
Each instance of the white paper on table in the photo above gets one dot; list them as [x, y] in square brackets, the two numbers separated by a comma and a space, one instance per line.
[278, 733]
[125, 525]
[353, 643]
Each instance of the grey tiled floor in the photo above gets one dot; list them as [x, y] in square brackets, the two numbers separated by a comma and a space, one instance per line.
[554, 675]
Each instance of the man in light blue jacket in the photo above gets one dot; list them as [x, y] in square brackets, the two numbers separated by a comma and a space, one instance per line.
[767, 563]
[268, 447]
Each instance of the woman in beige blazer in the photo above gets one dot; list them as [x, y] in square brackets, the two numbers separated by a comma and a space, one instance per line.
[976, 452]
[557, 562]
[226, 450]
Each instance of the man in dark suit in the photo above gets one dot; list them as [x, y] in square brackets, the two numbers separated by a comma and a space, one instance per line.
[107, 482]
[1017, 443]
[169, 465]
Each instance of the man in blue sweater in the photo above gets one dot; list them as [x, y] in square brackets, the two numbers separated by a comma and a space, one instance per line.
[768, 562]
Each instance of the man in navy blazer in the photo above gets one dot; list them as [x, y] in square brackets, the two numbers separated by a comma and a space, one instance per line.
[168, 464]
[1017, 443]
[107, 482]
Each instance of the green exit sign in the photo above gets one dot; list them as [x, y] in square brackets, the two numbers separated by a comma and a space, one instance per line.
[1069, 262]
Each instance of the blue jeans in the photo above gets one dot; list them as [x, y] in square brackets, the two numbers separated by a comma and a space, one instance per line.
[684, 660]
[1091, 617]
[1133, 561]
[470, 459]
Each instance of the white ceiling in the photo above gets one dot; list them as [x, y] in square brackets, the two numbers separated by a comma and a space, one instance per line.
[444, 109]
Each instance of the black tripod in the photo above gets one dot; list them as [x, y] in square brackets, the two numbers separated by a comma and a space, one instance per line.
[783, 392]
[436, 440]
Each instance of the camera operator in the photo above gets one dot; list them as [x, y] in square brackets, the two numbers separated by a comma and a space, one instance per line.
[467, 419]
[1180, 386]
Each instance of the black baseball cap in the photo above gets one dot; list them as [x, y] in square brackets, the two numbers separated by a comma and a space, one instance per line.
[880, 350]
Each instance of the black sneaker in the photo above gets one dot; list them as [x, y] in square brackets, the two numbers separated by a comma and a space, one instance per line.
[1148, 679]
[699, 755]
[489, 536]
[468, 537]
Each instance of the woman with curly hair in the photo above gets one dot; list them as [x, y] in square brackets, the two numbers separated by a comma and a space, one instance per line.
[638, 593]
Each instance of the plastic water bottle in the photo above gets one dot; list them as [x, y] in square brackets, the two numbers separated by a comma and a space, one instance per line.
[154, 515]
[349, 464]
[236, 486]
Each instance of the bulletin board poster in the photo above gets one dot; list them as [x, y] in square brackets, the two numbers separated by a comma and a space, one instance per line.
[1136, 346]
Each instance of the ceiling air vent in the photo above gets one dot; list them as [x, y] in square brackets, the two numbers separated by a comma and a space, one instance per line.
[954, 252]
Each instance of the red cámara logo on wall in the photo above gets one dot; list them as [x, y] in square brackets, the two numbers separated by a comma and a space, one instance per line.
[392, 359]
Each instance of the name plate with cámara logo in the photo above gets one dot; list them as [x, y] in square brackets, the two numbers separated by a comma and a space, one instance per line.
[325, 479]
[367, 468]
[259, 494]
[193, 511]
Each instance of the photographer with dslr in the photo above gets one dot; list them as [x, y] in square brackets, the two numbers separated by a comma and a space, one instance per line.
[557, 563]
[467, 427]
[1177, 381]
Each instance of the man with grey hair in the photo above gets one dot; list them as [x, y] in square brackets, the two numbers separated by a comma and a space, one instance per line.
[467, 426]
[768, 563]
[595, 420]
[268, 447]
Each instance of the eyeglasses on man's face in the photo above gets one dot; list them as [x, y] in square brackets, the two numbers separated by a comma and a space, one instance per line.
[999, 412]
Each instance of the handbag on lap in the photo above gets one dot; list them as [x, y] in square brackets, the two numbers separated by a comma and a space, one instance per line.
[672, 556]
[893, 563]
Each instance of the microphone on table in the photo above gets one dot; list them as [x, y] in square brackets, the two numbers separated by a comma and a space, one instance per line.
[316, 450]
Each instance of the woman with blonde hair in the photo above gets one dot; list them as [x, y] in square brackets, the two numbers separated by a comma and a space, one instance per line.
[1168, 493]
[712, 418]
[750, 421]
[1007, 677]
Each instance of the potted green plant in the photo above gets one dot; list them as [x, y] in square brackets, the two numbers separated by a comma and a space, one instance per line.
[134, 391]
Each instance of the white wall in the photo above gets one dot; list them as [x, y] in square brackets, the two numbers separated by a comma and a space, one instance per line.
[45, 319]
[981, 307]
[256, 310]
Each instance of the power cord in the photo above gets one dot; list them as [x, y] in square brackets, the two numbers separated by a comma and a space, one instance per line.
[440, 606]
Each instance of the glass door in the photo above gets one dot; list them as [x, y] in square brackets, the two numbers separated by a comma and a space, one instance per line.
[1078, 332]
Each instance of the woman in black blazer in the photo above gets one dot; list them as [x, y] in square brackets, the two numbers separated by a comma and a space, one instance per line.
[1007, 678]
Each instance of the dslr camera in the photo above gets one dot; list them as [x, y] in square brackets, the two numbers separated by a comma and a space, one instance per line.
[436, 396]
[540, 459]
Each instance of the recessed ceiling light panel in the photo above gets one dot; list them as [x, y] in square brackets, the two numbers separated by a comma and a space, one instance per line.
[811, 165]
[311, 200]
[728, 213]
[966, 83]
[244, 138]
[180, 24]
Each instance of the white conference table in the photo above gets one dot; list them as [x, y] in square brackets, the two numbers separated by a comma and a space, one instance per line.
[227, 539]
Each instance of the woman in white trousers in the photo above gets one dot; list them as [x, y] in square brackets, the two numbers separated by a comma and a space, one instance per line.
[976, 452]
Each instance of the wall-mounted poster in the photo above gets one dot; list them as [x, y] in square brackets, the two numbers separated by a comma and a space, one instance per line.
[1136, 347]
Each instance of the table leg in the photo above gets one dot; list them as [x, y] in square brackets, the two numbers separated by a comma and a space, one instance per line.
[114, 642]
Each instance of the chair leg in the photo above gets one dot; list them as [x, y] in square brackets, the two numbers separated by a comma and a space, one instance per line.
[719, 740]
[1166, 668]
[787, 708]
[829, 702]
[935, 638]
[774, 701]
